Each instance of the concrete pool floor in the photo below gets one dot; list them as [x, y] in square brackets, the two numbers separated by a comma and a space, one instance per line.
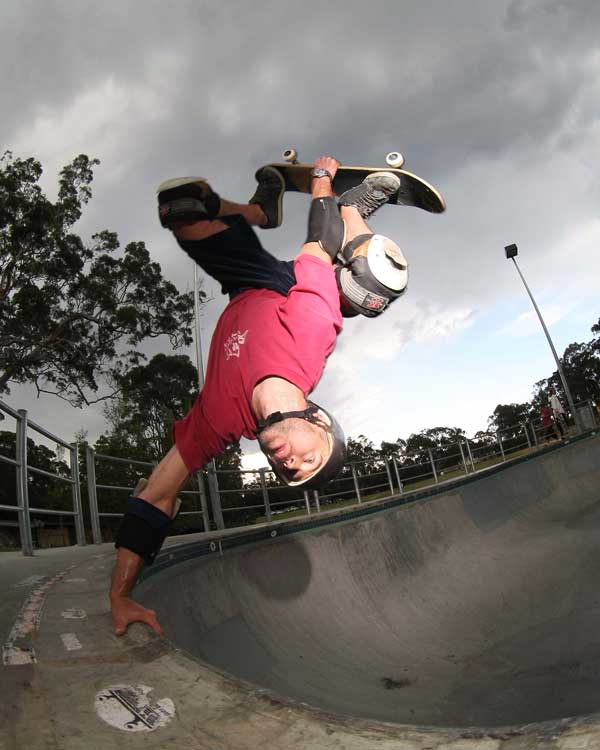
[67, 682]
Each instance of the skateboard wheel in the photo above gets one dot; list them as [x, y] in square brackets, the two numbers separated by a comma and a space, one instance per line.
[395, 159]
[290, 155]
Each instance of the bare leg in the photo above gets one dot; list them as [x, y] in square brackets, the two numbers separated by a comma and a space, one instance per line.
[355, 224]
[200, 230]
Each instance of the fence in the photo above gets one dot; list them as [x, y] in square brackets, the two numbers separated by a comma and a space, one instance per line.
[23, 469]
[256, 495]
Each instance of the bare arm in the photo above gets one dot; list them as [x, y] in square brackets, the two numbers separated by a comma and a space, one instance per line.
[161, 491]
[321, 188]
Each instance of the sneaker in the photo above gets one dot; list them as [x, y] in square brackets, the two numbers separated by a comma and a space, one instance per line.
[186, 199]
[372, 193]
[269, 195]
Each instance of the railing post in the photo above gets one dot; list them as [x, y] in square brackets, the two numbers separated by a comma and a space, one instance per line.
[215, 498]
[317, 501]
[470, 454]
[22, 487]
[76, 489]
[389, 475]
[499, 439]
[356, 485]
[265, 494]
[307, 501]
[90, 466]
[203, 500]
[397, 470]
[526, 431]
[462, 455]
[532, 424]
[432, 462]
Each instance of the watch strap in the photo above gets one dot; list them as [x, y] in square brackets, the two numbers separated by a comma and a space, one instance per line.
[321, 172]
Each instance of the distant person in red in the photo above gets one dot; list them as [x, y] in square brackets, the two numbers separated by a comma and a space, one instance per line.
[270, 344]
[548, 429]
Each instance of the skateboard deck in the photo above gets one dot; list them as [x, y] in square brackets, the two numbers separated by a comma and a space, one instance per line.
[414, 191]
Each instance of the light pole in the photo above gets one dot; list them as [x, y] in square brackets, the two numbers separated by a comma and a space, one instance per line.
[198, 334]
[212, 483]
[511, 253]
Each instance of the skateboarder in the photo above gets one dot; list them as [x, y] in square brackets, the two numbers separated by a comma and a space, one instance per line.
[270, 344]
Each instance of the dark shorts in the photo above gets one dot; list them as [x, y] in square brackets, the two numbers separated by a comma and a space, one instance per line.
[236, 259]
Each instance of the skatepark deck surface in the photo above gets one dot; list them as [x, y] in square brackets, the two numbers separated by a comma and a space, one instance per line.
[467, 616]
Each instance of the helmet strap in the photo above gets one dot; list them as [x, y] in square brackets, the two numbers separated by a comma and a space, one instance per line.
[309, 414]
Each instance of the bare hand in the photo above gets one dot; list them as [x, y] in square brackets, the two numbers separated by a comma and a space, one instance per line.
[125, 611]
[329, 163]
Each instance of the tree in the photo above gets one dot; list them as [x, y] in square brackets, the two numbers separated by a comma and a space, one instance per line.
[362, 451]
[392, 450]
[507, 417]
[441, 441]
[151, 397]
[71, 313]
[43, 491]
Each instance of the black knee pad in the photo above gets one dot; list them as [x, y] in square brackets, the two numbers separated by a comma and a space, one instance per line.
[191, 201]
[325, 226]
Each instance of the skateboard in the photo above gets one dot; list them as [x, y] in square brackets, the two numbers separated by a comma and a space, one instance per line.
[414, 191]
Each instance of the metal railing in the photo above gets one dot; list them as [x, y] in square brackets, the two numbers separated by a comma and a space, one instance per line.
[91, 459]
[23, 468]
[256, 495]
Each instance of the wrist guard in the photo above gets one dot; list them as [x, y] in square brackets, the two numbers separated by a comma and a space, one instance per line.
[144, 528]
[325, 226]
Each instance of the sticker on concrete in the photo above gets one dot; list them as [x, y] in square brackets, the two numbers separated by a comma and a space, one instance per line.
[74, 614]
[71, 642]
[127, 707]
[28, 621]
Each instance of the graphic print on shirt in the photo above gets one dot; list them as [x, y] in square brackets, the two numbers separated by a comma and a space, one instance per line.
[233, 343]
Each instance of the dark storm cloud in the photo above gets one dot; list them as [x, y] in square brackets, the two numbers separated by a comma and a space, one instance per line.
[484, 77]
[478, 95]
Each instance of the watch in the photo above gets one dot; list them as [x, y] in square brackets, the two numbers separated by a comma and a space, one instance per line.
[320, 172]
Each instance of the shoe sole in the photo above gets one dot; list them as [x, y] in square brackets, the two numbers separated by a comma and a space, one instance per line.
[391, 179]
[177, 181]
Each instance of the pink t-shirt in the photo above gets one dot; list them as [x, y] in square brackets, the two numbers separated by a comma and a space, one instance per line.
[261, 333]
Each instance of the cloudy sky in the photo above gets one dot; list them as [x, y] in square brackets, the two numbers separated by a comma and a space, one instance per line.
[496, 103]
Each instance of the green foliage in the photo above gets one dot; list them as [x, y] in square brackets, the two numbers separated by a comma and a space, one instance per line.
[362, 451]
[151, 397]
[71, 313]
[506, 418]
[44, 492]
[392, 450]
[581, 367]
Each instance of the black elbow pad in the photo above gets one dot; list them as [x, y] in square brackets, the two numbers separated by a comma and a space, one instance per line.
[143, 529]
[325, 226]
